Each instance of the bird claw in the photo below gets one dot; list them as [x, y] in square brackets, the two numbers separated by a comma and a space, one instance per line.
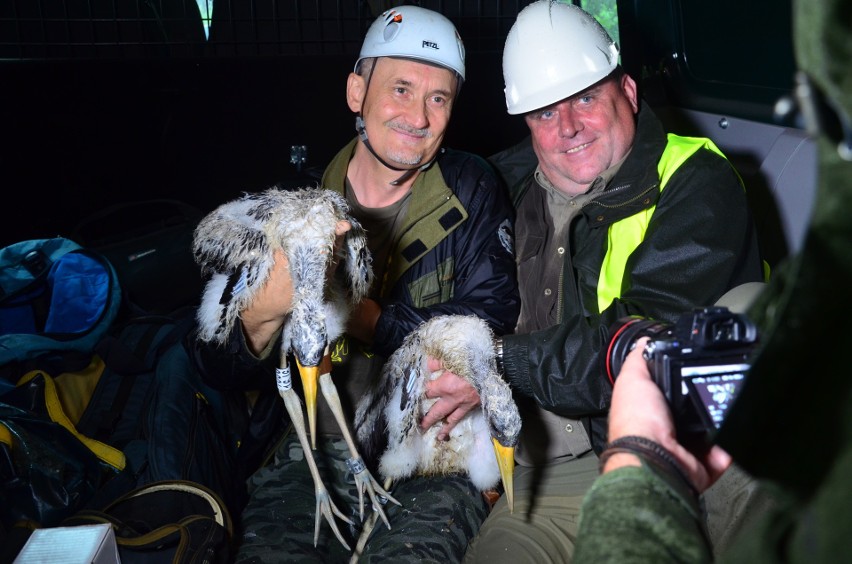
[365, 482]
[326, 508]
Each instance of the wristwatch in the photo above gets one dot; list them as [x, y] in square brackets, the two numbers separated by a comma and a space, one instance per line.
[498, 353]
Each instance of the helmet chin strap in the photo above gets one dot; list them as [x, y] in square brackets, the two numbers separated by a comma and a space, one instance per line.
[408, 172]
[361, 128]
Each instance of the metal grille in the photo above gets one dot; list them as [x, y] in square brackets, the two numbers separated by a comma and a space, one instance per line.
[141, 29]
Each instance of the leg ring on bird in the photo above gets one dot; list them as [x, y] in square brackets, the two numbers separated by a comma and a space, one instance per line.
[356, 465]
[283, 378]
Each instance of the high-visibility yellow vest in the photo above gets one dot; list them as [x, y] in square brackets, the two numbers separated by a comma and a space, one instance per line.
[625, 235]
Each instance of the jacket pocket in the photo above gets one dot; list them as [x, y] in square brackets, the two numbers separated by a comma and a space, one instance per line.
[435, 287]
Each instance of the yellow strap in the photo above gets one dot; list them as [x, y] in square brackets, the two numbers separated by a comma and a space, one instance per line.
[625, 235]
[5, 436]
[55, 411]
[75, 389]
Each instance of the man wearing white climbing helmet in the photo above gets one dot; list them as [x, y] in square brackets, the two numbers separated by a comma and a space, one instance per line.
[402, 43]
[614, 219]
[570, 49]
[438, 228]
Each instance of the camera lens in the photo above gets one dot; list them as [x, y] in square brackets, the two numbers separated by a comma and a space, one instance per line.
[625, 332]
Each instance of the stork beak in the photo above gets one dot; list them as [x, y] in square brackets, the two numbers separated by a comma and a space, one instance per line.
[506, 463]
[310, 377]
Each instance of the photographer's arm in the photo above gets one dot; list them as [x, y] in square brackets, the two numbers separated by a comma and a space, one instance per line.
[623, 512]
[640, 409]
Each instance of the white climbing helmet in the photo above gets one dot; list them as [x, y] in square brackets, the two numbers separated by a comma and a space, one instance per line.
[553, 51]
[415, 33]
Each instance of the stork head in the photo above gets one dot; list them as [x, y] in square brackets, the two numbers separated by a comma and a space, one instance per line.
[504, 423]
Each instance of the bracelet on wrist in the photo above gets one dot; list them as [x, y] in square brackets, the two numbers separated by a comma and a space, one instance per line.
[650, 452]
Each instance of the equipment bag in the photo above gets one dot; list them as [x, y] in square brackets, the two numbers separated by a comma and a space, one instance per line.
[166, 522]
[57, 300]
[152, 403]
[149, 243]
[126, 391]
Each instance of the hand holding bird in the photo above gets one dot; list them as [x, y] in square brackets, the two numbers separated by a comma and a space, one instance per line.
[481, 444]
[270, 259]
[454, 398]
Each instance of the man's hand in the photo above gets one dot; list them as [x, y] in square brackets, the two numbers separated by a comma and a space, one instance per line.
[270, 306]
[456, 397]
[639, 408]
[274, 301]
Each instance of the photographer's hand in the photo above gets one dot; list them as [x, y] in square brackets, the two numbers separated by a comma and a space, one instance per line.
[640, 409]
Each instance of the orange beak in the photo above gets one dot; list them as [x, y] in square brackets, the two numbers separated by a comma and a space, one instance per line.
[506, 463]
[310, 377]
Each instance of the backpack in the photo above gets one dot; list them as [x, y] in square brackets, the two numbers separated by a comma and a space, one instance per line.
[57, 300]
[125, 390]
[166, 522]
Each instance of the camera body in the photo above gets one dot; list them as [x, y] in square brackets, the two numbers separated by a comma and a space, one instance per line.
[699, 363]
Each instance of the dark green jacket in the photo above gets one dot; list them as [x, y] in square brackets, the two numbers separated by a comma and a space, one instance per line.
[455, 255]
[700, 243]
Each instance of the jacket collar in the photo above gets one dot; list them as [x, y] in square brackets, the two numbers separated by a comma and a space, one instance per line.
[635, 186]
[433, 213]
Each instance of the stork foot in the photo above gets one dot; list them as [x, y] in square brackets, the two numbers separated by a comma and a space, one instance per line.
[326, 508]
[365, 482]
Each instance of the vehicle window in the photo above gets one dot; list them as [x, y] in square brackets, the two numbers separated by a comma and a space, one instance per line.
[735, 42]
[158, 29]
[606, 12]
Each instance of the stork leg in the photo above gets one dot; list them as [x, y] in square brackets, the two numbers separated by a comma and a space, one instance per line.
[325, 506]
[363, 478]
[369, 525]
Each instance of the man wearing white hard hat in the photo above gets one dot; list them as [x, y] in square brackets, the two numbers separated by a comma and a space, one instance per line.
[439, 230]
[616, 219]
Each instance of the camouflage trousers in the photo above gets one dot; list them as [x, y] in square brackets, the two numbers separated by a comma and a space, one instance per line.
[439, 514]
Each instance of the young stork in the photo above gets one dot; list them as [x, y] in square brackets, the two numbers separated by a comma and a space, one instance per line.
[481, 445]
[235, 246]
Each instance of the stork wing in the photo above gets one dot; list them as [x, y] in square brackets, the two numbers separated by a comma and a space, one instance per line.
[358, 263]
[235, 255]
[393, 403]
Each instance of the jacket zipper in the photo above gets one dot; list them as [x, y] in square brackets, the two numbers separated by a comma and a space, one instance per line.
[626, 202]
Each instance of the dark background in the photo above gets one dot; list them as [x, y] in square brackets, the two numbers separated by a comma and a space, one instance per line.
[104, 102]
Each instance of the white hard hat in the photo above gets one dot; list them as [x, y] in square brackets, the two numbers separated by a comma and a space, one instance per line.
[553, 51]
[415, 33]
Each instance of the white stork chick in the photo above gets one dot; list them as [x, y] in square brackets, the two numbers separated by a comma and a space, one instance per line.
[235, 246]
[480, 445]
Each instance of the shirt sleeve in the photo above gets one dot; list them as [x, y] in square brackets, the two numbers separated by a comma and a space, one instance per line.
[633, 515]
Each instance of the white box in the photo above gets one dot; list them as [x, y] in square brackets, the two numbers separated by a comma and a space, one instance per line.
[86, 544]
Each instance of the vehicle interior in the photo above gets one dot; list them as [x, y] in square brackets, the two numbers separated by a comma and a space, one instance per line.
[126, 121]
[109, 103]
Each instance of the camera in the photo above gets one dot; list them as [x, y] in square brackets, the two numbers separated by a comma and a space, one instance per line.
[699, 363]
